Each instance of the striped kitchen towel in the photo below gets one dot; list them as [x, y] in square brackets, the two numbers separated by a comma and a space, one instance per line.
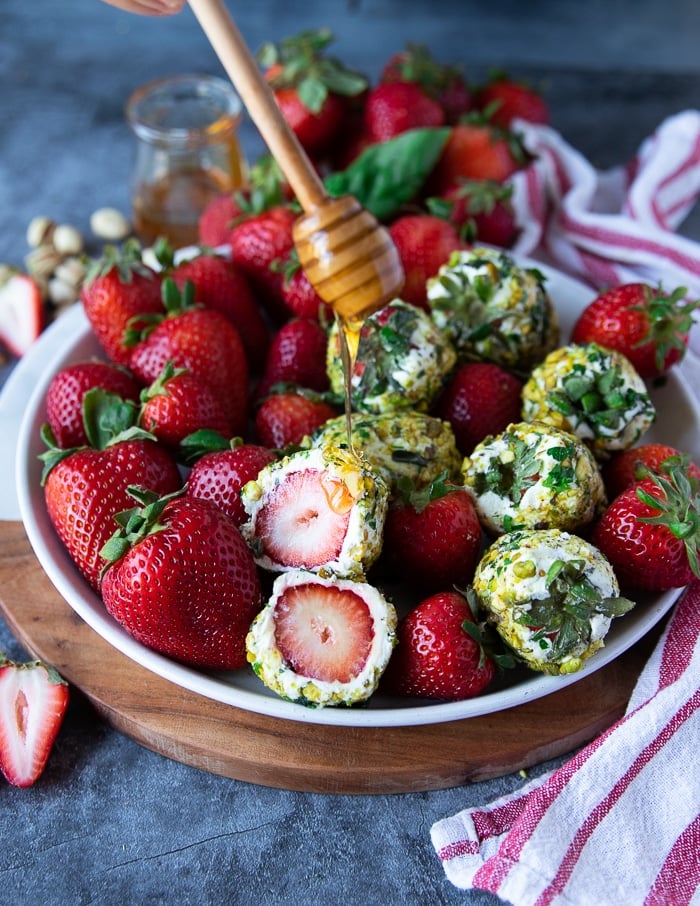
[615, 226]
[619, 823]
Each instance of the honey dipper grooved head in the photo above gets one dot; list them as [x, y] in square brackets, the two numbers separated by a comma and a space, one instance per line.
[348, 257]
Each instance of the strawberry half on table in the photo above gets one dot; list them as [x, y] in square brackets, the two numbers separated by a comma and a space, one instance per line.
[181, 580]
[21, 312]
[33, 702]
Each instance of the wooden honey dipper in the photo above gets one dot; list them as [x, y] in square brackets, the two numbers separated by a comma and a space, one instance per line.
[348, 257]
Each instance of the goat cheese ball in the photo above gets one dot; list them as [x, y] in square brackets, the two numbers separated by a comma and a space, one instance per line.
[533, 476]
[592, 392]
[398, 445]
[321, 509]
[322, 641]
[494, 310]
[550, 595]
[402, 360]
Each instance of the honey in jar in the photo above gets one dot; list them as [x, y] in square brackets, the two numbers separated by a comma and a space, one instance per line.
[187, 152]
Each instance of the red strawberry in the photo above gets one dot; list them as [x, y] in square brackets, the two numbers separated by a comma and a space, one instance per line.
[297, 356]
[21, 312]
[436, 657]
[220, 474]
[503, 100]
[87, 487]
[118, 295]
[299, 296]
[33, 702]
[179, 403]
[223, 287]
[286, 418]
[650, 532]
[395, 107]
[433, 537]
[217, 219]
[182, 581]
[445, 84]
[64, 398]
[480, 211]
[205, 343]
[424, 244]
[479, 399]
[648, 326]
[310, 88]
[260, 245]
[630, 466]
[476, 150]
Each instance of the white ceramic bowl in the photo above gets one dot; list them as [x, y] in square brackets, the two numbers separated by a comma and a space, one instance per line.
[678, 423]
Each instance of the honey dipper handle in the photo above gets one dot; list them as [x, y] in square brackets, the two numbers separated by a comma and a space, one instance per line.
[256, 94]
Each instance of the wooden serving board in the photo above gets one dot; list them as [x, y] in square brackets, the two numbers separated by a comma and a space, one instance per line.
[291, 755]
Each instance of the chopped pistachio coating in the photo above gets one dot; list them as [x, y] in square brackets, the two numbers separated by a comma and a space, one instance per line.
[402, 360]
[399, 445]
[493, 309]
[292, 681]
[533, 476]
[551, 596]
[593, 392]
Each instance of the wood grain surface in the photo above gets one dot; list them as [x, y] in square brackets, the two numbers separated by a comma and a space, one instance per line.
[289, 755]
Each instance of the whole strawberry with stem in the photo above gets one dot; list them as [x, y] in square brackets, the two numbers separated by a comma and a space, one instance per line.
[444, 83]
[85, 486]
[65, 394]
[504, 99]
[181, 580]
[424, 244]
[33, 703]
[479, 399]
[200, 340]
[310, 87]
[628, 467]
[392, 108]
[439, 654]
[643, 322]
[650, 532]
[480, 210]
[221, 468]
[286, 418]
[297, 356]
[120, 293]
[432, 536]
[177, 404]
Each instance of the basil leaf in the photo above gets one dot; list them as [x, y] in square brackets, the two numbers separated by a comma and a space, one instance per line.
[389, 174]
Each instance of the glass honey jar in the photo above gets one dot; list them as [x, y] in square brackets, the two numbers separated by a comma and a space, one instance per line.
[187, 151]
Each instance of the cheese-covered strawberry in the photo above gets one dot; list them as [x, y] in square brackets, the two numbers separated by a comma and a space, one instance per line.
[592, 392]
[321, 509]
[551, 596]
[322, 641]
[533, 476]
[402, 360]
[399, 445]
[493, 309]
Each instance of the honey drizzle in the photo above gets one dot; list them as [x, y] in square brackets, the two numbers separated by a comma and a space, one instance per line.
[349, 330]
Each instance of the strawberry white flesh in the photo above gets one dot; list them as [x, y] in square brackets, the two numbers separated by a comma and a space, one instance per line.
[301, 523]
[324, 633]
[21, 313]
[33, 701]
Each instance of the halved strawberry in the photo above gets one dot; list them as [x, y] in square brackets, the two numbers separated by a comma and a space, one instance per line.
[33, 701]
[21, 313]
[322, 641]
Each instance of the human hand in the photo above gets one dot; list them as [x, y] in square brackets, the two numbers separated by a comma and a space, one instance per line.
[149, 7]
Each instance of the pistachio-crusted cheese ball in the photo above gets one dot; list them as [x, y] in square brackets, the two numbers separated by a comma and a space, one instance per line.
[533, 476]
[493, 309]
[551, 596]
[402, 360]
[321, 509]
[594, 393]
[322, 642]
[398, 444]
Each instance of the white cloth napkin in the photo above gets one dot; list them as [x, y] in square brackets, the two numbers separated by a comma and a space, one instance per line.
[619, 823]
